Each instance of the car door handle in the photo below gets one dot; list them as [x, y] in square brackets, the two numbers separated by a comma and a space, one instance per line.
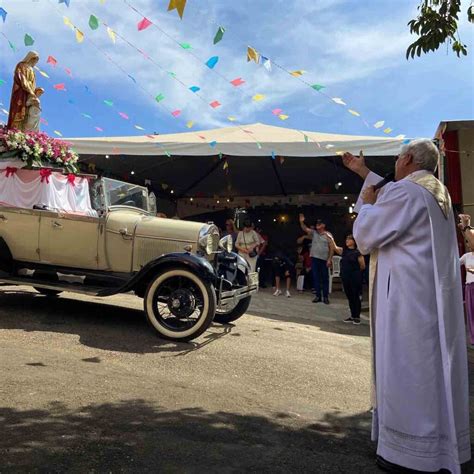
[125, 234]
[57, 225]
[3, 218]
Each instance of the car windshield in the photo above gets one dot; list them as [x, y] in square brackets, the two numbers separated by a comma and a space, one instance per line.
[118, 193]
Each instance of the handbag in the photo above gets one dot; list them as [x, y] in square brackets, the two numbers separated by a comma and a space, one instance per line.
[253, 253]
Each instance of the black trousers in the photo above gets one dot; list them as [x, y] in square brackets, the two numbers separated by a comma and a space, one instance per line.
[352, 283]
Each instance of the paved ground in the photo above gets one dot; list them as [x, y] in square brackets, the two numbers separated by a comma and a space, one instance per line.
[86, 387]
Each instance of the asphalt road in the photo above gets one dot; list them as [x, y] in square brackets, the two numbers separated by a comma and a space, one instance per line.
[87, 387]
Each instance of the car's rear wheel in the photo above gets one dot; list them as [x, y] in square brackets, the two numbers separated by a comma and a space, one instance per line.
[179, 305]
[47, 291]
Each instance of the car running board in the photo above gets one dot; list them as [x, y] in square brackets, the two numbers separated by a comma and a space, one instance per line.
[58, 286]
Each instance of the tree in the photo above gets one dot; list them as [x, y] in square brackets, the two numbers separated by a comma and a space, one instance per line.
[437, 23]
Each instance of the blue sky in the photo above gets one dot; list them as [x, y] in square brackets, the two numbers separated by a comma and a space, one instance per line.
[355, 49]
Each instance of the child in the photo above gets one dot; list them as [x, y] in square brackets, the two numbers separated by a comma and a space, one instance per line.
[468, 261]
[34, 111]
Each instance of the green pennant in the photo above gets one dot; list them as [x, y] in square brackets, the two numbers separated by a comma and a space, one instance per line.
[159, 97]
[185, 45]
[109, 103]
[167, 153]
[171, 73]
[86, 116]
[93, 22]
[12, 46]
[317, 87]
[2, 81]
[29, 41]
[306, 139]
[219, 35]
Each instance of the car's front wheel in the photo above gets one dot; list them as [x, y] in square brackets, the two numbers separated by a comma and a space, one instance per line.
[179, 305]
[233, 312]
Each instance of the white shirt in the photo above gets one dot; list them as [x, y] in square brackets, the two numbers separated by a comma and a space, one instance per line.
[468, 261]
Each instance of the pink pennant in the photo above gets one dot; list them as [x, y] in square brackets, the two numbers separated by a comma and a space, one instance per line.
[151, 136]
[43, 121]
[123, 115]
[52, 60]
[60, 87]
[143, 24]
[99, 129]
[68, 71]
[176, 113]
[277, 111]
[237, 82]
[215, 104]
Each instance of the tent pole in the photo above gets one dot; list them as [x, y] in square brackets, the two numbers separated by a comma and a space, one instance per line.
[203, 177]
[277, 174]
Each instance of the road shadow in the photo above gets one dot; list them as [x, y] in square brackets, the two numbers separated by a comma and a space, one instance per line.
[135, 436]
[98, 325]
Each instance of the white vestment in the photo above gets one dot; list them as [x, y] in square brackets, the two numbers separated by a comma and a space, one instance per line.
[421, 412]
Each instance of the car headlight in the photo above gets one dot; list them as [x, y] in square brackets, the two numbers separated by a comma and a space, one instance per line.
[206, 244]
[227, 243]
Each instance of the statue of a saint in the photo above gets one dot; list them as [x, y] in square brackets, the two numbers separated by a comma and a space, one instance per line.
[24, 92]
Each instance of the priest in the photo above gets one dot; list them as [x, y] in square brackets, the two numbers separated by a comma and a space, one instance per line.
[420, 376]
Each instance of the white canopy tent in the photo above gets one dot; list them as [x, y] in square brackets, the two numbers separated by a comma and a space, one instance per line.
[246, 140]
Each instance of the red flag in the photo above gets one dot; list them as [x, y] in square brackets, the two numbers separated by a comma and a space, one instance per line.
[68, 71]
[215, 104]
[60, 87]
[143, 24]
[237, 82]
[52, 60]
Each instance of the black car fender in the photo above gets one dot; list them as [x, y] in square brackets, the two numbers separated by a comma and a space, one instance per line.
[196, 264]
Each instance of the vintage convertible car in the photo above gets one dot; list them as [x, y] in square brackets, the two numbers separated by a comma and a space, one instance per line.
[81, 234]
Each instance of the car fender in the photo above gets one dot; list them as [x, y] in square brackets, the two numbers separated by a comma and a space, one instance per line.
[198, 265]
[6, 258]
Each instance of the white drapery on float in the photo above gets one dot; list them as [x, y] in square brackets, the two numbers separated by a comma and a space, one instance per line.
[59, 192]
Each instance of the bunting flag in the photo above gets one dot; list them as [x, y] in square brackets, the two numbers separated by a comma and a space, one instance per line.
[178, 5]
[338, 100]
[194, 88]
[266, 63]
[60, 87]
[58, 133]
[176, 113]
[388, 130]
[109, 103]
[138, 127]
[226, 165]
[297, 73]
[111, 34]
[3, 14]
[66, 2]
[214, 104]
[2, 81]
[190, 124]
[317, 87]
[99, 129]
[213, 144]
[211, 62]
[277, 111]
[230, 118]
[93, 22]
[87, 116]
[68, 71]
[400, 137]
[252, 55]
[283, 117]
[12, 46]
[28, 40]
[282, 160]
[237, 82]
[219, 35]
[185, 45]
[354, 112]
[79, 36]
[379, 124]
[143, 24]
[159, 98]
[52, 60]
[273, 155]
[67, 22]
[43, 73]
[258, 97]
[124, 115]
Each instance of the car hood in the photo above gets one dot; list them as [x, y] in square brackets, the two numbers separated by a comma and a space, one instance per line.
[172, 229]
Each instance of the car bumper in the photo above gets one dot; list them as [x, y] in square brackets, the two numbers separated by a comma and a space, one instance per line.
[228, 299]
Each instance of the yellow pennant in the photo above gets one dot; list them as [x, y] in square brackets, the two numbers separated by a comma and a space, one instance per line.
[226, 165]
[59, 134]
[230, 118]
[178, 5]
[102, 1]
[388, 130]
[67, 22]
[283, 117]
[297, 73]
[43, 74]
[354, 112]
[190, 124]
[79, 36]
[252, 54]
[111, 34]
[258, 97]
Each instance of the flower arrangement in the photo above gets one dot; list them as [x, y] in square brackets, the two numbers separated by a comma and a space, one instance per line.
[37, 149]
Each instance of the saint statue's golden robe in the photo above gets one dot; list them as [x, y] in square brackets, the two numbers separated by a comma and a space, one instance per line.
[24, 85]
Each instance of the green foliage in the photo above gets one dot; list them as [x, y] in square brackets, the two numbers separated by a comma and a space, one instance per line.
[436, 24]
